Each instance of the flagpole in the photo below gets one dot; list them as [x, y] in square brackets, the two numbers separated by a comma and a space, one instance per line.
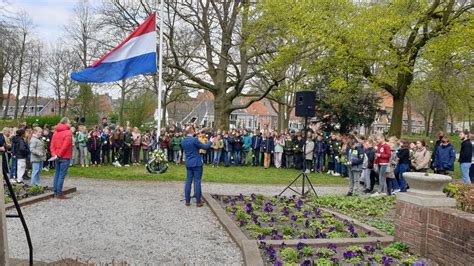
[160, 64]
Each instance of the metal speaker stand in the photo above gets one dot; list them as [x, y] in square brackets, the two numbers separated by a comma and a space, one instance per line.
[21, 217]
[303, 175]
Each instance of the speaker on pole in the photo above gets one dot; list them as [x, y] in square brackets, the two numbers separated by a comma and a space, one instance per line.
[305, 103]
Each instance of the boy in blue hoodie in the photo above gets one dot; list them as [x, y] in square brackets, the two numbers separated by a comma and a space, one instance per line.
[444, 158]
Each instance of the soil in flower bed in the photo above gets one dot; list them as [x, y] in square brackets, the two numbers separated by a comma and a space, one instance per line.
[23, 191]
[285, 218]
[367, 254]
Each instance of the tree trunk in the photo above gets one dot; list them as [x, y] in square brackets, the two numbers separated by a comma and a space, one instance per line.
[281, 116]
[222, 111]
[409, 127]
[1, 91]
[452, 123]
[36, 91]
[428, 121]
[397, 116]
[28, 87]
[7, 105]
[122, 104]
[440, 116]
[163, 113]
[20, 68]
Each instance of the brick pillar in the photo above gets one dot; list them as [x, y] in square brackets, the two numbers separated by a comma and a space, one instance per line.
[410, 226]
[412, 218]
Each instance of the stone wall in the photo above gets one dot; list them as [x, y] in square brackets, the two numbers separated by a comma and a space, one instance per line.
[445, 235]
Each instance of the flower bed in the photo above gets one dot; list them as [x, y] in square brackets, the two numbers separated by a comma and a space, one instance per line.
[286, 218]
[24, 191]
[303, 254]
[378, 212]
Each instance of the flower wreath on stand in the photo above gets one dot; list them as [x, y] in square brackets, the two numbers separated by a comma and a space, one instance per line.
[158, 162]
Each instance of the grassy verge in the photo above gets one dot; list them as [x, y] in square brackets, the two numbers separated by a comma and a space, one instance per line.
[235, 175]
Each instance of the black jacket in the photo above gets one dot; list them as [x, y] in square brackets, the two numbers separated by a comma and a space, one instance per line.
[20, 147]
[403, 156]
[465, 155]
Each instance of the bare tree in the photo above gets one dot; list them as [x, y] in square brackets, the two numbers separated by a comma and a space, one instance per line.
[23, 27]
[208, 45]
[39, 72]
[61, 62]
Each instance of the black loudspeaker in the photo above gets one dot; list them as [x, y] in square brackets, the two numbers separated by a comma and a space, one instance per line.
[305, 103]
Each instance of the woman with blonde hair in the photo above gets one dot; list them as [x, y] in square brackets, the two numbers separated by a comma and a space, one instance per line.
[82, 139]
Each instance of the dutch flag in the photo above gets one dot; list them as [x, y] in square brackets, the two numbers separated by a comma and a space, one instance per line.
[134, 56]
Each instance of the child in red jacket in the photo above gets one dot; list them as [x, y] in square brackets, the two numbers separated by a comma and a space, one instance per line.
[382, 160]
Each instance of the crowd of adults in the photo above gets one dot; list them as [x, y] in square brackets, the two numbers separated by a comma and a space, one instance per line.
[365, 161]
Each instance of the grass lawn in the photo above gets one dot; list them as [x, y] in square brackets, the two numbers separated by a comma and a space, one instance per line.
[237, 175]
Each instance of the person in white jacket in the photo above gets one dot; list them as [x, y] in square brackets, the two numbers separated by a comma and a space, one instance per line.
[308, 162]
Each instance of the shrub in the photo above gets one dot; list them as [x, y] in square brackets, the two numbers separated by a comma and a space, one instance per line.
[464, 195]
[43, 120]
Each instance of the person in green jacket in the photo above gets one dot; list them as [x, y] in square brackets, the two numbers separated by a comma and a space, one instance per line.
[175, 144]
[247, 141]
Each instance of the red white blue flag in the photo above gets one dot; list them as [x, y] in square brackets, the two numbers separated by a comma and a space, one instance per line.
[134, 56]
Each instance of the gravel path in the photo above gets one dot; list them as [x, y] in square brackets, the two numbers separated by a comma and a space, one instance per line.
[138, 222]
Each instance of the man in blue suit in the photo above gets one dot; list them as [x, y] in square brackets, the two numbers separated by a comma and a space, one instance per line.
[191, 146]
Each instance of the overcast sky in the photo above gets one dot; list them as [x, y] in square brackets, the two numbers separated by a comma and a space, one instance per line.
[49, 16]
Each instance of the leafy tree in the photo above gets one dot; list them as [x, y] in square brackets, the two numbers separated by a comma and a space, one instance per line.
[383, 42]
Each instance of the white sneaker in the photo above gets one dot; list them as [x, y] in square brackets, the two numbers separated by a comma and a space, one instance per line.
[396, 191]
[329, 173]
[336, 174]
[12, 181]
[117, 164]
[127, 165]
[376, 194]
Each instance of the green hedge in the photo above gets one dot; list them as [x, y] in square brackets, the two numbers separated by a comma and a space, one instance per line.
[43, 120]
[39, 120]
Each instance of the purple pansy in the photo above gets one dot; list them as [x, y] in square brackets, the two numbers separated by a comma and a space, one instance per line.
[369, 248]
[293, 218]
[253, 196]
[307, 263]
[278, 263]
[306, 223]
[332, 246]
[387, 260]
[268, 209]
[301, 245]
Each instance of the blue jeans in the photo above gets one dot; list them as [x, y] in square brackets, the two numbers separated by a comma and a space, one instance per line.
[193, 173]
[13, 168]
[36, 168]
[61, 166]
[338, 168]
[237, 155]
[217, 156]
[256, 158]
[227, 157]
[399, 182]
[465, 172]
[318, 162]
